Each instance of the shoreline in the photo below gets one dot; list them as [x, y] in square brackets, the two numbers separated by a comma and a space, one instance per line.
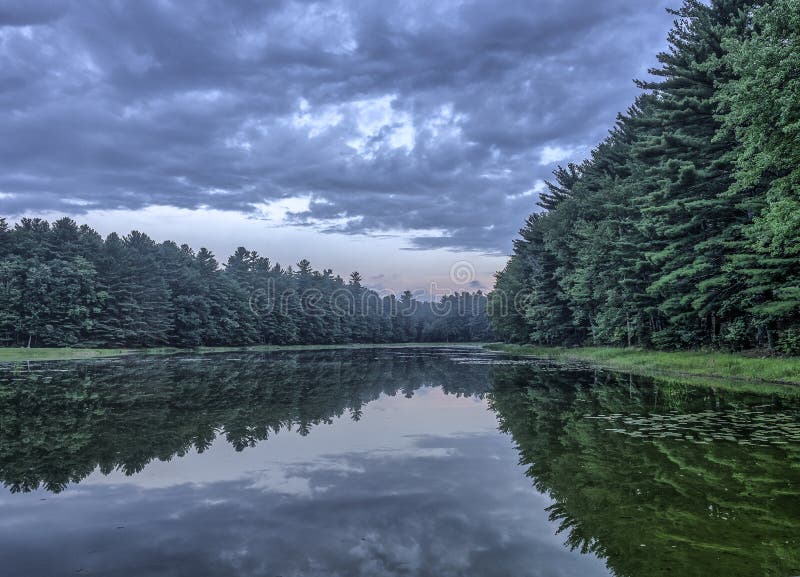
[707, 368]
[22, 354]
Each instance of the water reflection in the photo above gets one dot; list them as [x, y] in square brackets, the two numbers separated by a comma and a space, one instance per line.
[661, 480]
[60, 421]
[421, 484]
[388, 463]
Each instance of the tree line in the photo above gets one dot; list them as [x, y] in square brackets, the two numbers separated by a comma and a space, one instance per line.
[62, 284]
[682, 228]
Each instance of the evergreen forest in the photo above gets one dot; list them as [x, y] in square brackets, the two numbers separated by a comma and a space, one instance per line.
[682, 228]
[62, 284]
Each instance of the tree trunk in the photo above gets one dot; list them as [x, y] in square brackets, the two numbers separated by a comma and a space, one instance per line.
[628, 323]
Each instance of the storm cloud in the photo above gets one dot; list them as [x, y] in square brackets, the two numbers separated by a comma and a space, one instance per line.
[437, 119]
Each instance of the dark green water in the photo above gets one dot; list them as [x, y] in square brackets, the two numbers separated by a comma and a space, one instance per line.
[430, 462]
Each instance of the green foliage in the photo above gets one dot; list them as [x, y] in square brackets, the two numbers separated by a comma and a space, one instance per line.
[735, 334]
[682, 229]
[62, 285]
[762, 107]
[789, 342]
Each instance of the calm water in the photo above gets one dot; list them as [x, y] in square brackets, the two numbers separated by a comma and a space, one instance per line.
[429, 462]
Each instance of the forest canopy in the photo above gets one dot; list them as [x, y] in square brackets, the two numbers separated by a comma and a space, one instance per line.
[682, 228]
[62, 284]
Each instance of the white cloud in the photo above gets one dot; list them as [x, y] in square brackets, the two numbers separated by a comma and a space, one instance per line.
[538, 187]
[316, 121]
[380, 124]
[445, 123]
[553, 154]
[277, 211]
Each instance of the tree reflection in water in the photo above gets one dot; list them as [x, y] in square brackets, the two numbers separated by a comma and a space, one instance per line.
[649, 486]
[655, 479]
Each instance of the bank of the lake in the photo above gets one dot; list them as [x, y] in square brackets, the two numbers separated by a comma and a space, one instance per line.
[16, 354]
[700, 367]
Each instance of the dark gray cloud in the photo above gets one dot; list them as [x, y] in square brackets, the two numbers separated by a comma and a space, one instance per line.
[434, 118]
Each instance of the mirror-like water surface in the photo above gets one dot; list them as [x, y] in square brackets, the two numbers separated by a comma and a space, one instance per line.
[430, 462]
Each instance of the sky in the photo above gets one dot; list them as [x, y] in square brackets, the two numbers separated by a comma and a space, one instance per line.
[407, 140]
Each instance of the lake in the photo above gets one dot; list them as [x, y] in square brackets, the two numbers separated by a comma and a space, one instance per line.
[418, 462]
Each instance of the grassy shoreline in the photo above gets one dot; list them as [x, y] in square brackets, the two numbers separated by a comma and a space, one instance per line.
[11, 354]
[701, 367]
[14, 354]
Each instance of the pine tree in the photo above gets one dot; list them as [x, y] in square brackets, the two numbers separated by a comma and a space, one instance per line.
[761, 108]
[5, 238]
[650, 241]
[12, 278]
[693, 220]
[188, 294]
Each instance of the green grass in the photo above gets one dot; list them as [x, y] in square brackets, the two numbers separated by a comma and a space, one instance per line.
[57, 354]
[696, 367]
[63, 354]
